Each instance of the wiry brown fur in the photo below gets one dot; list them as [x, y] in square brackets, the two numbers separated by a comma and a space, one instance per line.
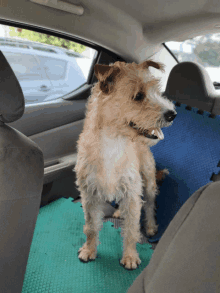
[114, 161]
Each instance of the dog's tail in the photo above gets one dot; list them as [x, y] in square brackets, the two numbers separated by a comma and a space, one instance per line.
[160, 175]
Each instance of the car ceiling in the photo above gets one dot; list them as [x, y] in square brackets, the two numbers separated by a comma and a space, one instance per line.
[132, 29]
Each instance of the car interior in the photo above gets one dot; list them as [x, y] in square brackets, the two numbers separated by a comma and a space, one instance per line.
[41, 214]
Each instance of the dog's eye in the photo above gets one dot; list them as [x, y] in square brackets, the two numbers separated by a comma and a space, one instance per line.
[139, 97]
[109, 79]
[104, 87]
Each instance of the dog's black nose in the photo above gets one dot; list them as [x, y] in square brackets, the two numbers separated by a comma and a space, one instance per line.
[170, 115]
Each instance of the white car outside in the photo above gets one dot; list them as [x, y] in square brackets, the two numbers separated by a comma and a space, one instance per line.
[46, 73]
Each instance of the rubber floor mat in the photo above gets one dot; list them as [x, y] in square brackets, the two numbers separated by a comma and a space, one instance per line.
[53, 264]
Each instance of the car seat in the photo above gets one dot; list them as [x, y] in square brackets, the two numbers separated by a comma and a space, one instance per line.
[21, 182]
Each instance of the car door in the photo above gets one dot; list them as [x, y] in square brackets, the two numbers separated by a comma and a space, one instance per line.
[34, 82]
[55, 125]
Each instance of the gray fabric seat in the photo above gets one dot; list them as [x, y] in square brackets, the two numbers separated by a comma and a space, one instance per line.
[21, 183]
[187, 258]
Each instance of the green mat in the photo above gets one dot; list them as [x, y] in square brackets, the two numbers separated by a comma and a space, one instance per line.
[53, 264]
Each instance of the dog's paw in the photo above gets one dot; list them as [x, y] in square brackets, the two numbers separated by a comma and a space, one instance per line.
[151, 231]
[86, 254]
[130, 261]
[116, 214]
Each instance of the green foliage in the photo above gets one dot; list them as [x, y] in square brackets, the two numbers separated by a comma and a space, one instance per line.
[46, 39]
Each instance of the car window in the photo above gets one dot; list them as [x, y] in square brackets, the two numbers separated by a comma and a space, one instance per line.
[25, 66]
[47, 67]
[163, 56]
[55, 68]
[64, 75]
[201, 49]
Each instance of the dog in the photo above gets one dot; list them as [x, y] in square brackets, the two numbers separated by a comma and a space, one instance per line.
[124, 117]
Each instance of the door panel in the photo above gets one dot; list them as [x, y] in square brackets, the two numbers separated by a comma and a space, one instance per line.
[46, 116]
[59, 149]
[60, 141]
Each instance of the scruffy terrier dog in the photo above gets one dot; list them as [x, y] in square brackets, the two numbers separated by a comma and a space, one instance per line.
[125, 114]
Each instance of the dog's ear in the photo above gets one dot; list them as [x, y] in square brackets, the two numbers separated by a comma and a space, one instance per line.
[106, 75]
[146, 64]
[104, 71]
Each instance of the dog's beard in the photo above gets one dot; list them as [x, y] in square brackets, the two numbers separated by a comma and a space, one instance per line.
[154, 133]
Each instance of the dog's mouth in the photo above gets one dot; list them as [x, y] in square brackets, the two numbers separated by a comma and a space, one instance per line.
[153, 133]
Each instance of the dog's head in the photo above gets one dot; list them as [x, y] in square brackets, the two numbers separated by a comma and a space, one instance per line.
[130, 100]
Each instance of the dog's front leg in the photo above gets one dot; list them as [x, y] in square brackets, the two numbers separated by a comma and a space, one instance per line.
[93, 213]
[130, 208]
[151, 191]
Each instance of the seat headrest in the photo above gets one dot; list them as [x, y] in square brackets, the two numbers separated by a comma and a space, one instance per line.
[11, 96]
[189, 83]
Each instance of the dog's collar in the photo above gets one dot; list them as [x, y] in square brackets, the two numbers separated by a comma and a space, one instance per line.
[144, 132]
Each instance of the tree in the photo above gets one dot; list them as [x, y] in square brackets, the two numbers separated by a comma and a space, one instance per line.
[46, 39]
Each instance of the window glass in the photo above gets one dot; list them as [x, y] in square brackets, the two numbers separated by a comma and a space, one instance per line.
[47, 67]
[163, 56]
[201, 49]
[55, 68]
[25, 66]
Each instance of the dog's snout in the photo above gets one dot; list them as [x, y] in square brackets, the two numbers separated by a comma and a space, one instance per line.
[170, 115]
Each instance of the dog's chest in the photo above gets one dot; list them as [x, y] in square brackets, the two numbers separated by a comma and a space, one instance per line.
[120, 162]
[114, 152]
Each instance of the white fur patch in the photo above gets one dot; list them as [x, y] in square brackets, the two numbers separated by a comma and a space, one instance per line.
[162, 101]
[154, 96]
[120, 170]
